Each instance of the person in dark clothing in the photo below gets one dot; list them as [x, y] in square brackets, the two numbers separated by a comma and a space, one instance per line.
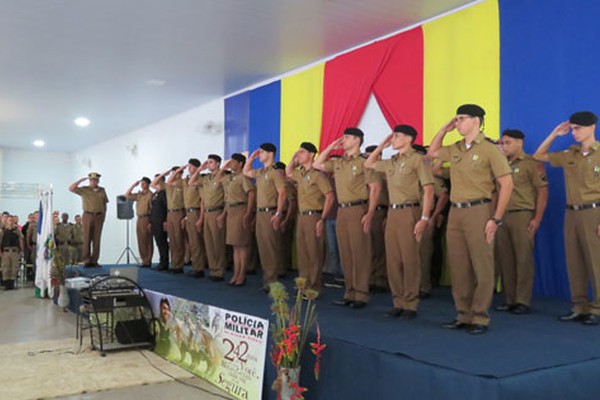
[158, 221]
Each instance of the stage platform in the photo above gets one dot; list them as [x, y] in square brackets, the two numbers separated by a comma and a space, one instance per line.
[369, 356]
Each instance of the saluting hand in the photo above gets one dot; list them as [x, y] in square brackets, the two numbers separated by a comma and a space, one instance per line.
[561, 129]
[450, 125]
[490, 231]
[254, 154]
[387, 142]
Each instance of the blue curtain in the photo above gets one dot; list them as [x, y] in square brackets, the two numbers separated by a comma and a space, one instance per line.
[549, 69]
[265, 117]
[237, 122]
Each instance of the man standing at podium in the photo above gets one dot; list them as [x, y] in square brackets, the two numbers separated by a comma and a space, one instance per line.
[94, 200]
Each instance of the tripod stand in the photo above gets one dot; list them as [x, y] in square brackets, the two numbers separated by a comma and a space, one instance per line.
[127, 250]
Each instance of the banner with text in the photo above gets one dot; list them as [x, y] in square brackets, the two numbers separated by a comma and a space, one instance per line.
[224, 347]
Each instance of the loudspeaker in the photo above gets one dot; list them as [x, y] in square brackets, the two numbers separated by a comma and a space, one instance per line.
[124, 208]
[132, 331]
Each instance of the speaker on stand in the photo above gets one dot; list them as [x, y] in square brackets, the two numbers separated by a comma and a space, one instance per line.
[125, 212]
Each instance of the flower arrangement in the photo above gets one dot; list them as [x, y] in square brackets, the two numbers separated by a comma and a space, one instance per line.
[290, 333]
[57, 272]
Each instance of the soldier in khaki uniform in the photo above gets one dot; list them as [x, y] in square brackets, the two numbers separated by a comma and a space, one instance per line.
[63, 235]
[214, 214]
[270, 201]
[407, 177]
[176, 213]
[515, 238]
[358, 191]
[379, 279]
[581, 165]
[11, 246]
[472, 224]
[194, 219]
[94, 212]
[315, 198]
[78, 239]
[143, 201]
[240, 198]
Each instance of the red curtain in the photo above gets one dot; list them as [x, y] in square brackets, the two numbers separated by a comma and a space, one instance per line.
[399, 87]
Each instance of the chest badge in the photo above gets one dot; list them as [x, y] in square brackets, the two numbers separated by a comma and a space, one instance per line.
[475, 157]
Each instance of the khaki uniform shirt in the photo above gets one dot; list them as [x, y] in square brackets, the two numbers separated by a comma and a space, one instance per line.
[175, 195]
[582, 173]
[351, 178]
[64, 233]
[236, 187]
[472, 171]
[313, 185]
[31, 236]
[143, 202]
[406, 175]
[213, 192]
[94, 200]
[268, 181]
[528, 176]
[192, 194]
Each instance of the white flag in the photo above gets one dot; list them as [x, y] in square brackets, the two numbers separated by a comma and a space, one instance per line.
[45, 243]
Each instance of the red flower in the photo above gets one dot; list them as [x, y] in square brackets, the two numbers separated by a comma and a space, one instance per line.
[317, 348]
[298, 390]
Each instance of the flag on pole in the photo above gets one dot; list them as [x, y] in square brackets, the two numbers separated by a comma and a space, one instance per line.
[45, 243]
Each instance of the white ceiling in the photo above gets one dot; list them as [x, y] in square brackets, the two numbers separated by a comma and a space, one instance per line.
[60, 59]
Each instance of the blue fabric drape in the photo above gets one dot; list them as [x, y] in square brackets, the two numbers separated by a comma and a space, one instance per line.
[265, 117]
[237, 122]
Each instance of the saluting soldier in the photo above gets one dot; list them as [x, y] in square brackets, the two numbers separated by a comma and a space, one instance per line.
[11, 246]
[214, 214]
[63, 233]
[407, 177]
[240, 197]
[581, 165]
[143, 204]
[270, 200]
[176, 213]
[515, 238]
[472, 224]
[315, 198]
[379, 279]
[158, 221]
[94, 212]
[358, 191]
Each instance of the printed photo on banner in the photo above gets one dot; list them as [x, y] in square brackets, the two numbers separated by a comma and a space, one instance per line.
[224, 347]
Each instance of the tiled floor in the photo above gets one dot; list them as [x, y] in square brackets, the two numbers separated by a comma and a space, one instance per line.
[24, 318]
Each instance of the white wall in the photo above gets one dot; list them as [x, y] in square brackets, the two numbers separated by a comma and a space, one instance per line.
[144, 152]
[36, 167]
[374, 126]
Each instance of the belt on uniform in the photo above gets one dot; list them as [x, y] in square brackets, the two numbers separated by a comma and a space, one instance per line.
[266, 209]
[232, 205]
[520, 210]
[176, 209]
[404, 205]
[577, 207]
[93, 213]
[143, 215]
[192, 209]
[12, 249]
[211, 209]
[353, 203]
[381, 207]
[310, 212]
[468, 204]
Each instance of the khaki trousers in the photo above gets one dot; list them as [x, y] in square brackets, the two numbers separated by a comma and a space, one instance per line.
[195, 241]
[175, 233]
[471, 263]
[269, 246]
[10, 264]
[311, 250]
[425, 259]
[514, 257]
[214, 240]
[92, 231]
[379, 271]
[144, 239]
[355, 252]
[402, 254]
[582, 246]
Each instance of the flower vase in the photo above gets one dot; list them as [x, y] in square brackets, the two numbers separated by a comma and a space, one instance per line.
[63, 297]
[289, 383]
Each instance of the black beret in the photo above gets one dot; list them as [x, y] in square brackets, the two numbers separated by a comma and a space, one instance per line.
[583, 118]
[420, 149]
[514, 133]
[215, 157]
[354, 132]
[238, 157]
[471, 109]
[174, 168]
[146, 179]
[406, 129]
[94, 175]
[370, 149]
[195, 162]
[308, 146]
[270, 147]
[279, 165]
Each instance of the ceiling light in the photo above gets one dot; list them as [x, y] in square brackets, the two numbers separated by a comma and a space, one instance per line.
[82, 122]
[39, 143]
